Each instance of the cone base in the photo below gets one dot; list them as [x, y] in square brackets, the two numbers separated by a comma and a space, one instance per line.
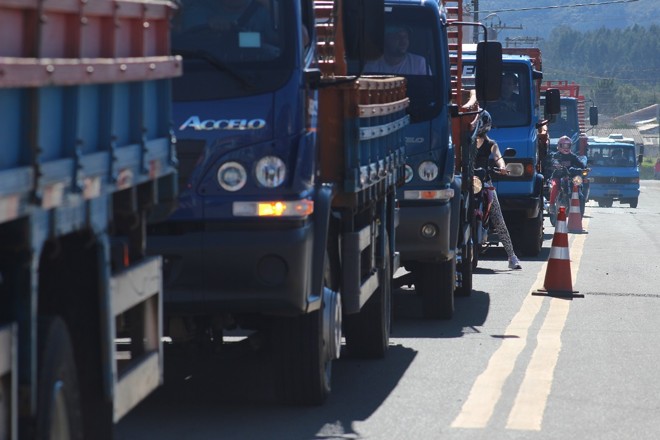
[558, 293]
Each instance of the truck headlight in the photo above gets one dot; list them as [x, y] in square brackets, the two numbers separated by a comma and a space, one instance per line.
[427, 170]
[232, 176]
[515, 169]
[270, 171]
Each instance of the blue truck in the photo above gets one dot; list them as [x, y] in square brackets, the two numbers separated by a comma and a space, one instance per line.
[519, 124]
[614, 173]
[285, 226]
[87, 161]
[434, 234]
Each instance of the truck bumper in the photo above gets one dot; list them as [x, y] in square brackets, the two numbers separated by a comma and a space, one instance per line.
[410, 242]
[607, 192]
[528, 204]
[238, 270]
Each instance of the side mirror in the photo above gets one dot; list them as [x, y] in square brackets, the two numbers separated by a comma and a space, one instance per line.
[552, 102]
[364, 29]
[640, 158]
[593, 115]
[488, 74]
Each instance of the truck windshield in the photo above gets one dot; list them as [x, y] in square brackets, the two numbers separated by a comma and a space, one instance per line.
[607, 155]
[513, 109]
[232, 48]
[566, 123]
[412, 42]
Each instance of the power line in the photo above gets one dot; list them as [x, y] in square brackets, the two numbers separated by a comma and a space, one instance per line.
[536, 8]
[550, 70]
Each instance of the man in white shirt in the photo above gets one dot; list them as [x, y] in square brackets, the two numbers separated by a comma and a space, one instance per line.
[396, 59]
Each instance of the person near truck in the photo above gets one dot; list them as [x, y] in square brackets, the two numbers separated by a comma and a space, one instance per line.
[564, 157]
[396, 59]
[656, 170]
[487, 148]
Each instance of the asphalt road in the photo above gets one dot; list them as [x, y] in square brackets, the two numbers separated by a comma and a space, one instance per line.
[510, 365]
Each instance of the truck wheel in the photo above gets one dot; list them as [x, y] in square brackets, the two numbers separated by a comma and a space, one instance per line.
[304, 370]
[367, 333]
[305, 347]
[436, 281]
[633, 202]
[58, 399]
[477, 249]
[465, 269]
[532, 240]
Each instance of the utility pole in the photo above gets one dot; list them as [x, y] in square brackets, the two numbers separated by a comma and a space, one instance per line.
[475, 8]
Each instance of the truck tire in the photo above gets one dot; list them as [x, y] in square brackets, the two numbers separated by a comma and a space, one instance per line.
[633, 202]
[304, 373]
[367, 333]
[58, 399]
[465, 268]
[532, 239]
[304, 348]
[436, 283]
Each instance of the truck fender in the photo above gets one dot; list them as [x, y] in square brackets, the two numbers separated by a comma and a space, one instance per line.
[322, 210]
[455, 211]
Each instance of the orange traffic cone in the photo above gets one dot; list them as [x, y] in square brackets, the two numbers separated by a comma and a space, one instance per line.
[558, 275]
[574, 213]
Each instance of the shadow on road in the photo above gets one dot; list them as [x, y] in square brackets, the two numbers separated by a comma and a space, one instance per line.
[233, 397]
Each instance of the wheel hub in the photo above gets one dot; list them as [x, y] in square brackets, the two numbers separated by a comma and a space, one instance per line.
[331, 323]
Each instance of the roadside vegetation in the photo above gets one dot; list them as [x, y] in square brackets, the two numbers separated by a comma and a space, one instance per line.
[617, 68]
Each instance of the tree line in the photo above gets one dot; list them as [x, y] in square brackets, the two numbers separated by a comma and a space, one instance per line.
[619, 69]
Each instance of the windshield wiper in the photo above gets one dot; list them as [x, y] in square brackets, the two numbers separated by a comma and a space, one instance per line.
[215, 62]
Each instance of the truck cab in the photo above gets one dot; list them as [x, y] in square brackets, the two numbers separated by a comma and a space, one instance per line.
[614, 174]
[285, 225]
[517, 124]
[429, 200]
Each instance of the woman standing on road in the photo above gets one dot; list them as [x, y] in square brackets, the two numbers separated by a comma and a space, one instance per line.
[485, 148]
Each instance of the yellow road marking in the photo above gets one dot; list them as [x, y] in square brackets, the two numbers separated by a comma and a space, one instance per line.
[529, 406]
[487, 389]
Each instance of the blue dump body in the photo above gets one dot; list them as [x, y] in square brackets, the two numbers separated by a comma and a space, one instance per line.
[614, 172]
[87, 159]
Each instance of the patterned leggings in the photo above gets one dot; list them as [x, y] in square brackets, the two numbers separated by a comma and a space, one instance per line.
[497, 219]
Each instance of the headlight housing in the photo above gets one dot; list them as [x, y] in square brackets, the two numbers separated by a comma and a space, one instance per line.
[476, 184]
[270, 171]
[515, 169]
[231, 176]
[409, 173]
[427, 170]
[577, 180]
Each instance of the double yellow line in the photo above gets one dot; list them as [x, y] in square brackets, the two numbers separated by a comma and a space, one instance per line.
[531, 400]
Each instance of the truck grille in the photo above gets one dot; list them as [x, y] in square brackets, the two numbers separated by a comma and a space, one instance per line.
[189, 153]
[613, 180]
